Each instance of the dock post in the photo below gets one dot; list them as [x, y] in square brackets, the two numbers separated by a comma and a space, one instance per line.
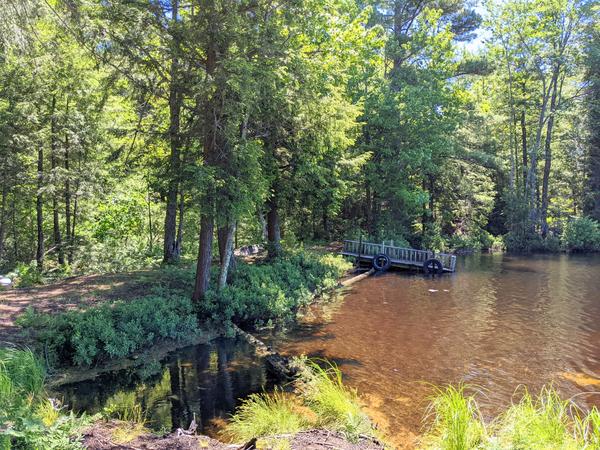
[359, 251]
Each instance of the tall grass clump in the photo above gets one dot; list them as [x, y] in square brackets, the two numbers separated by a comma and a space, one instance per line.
[267, 415]
[540, 423]
[336, 405]
[320, 400]
[457, 423]
[28, 419]
[543, 422]
[21, 378]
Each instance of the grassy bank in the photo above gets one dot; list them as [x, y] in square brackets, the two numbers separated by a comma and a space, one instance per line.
[258, 294]
[29, 420]
[533, 423]
[319, 400]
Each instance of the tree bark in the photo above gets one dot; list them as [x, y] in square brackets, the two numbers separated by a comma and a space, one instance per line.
[2, 220]
[548, 154]
[68, 237]
[532, 184]
[207, 215]
[227, 237]
[39, 256]
[207, 224]
[170, 253]
[179, 240]
[524, 146]
[53, 164]
[273, 229]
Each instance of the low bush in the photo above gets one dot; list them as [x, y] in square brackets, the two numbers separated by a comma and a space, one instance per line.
[582, 235]
[273, 290]
[541, 423]
[112, 330]
[258, 294]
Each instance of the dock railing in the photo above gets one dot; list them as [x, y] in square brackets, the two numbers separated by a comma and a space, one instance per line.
[398, 255]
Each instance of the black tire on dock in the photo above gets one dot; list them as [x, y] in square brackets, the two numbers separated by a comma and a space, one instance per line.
[382, 262]
[433, 266]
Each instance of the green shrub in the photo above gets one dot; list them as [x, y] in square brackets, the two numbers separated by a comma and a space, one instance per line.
[27, 419]
[112, 330]
[582, 234]
[26, 275]
[273, 290]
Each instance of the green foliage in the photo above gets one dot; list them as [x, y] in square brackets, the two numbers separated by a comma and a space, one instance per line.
[27, 418]
[267, 415]
[320, 400]
[457, 422]
[124, 406]
[273, 290]
[25, 275]
[21, 379]
[521, 237]
[111, 330]
[541, 423]
[336, 406]
[582, 234]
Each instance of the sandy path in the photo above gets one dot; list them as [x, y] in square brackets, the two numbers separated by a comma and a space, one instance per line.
[68, 294]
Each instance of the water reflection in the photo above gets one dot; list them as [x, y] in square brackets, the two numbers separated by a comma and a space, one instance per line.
[498, 323]
[205, 380]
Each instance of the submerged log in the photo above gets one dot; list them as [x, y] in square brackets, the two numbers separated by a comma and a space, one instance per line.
[353, 280]
[280, 366]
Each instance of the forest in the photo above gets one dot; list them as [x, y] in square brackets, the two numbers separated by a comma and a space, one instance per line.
[137, 132]
[175, 174]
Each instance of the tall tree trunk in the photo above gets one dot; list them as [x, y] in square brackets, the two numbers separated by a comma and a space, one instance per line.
[2, 219]
[53, 164]
[548, 154]
[39, 255]
[179, 240]
[524, 147]
[13, 210]
[532, 183]
[75, 216]
[170, 254]
[263, 225]
[68, 237]
[369, 208]
[227, 235]
[273, 229]
[513, 133]
[207, 226]
[207, 214]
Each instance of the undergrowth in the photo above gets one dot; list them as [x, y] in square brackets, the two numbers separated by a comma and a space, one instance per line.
[28, 419]
[545, 422]
[320, 400]
[114, 330]
[258, 294]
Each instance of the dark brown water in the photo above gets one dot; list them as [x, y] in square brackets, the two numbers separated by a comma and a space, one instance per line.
[498, 323]
[202, 381]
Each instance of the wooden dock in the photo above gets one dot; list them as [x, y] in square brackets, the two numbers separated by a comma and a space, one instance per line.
[399, 257]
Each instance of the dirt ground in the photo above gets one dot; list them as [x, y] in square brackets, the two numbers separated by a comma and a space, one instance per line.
[100, 437]
[68, 294]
